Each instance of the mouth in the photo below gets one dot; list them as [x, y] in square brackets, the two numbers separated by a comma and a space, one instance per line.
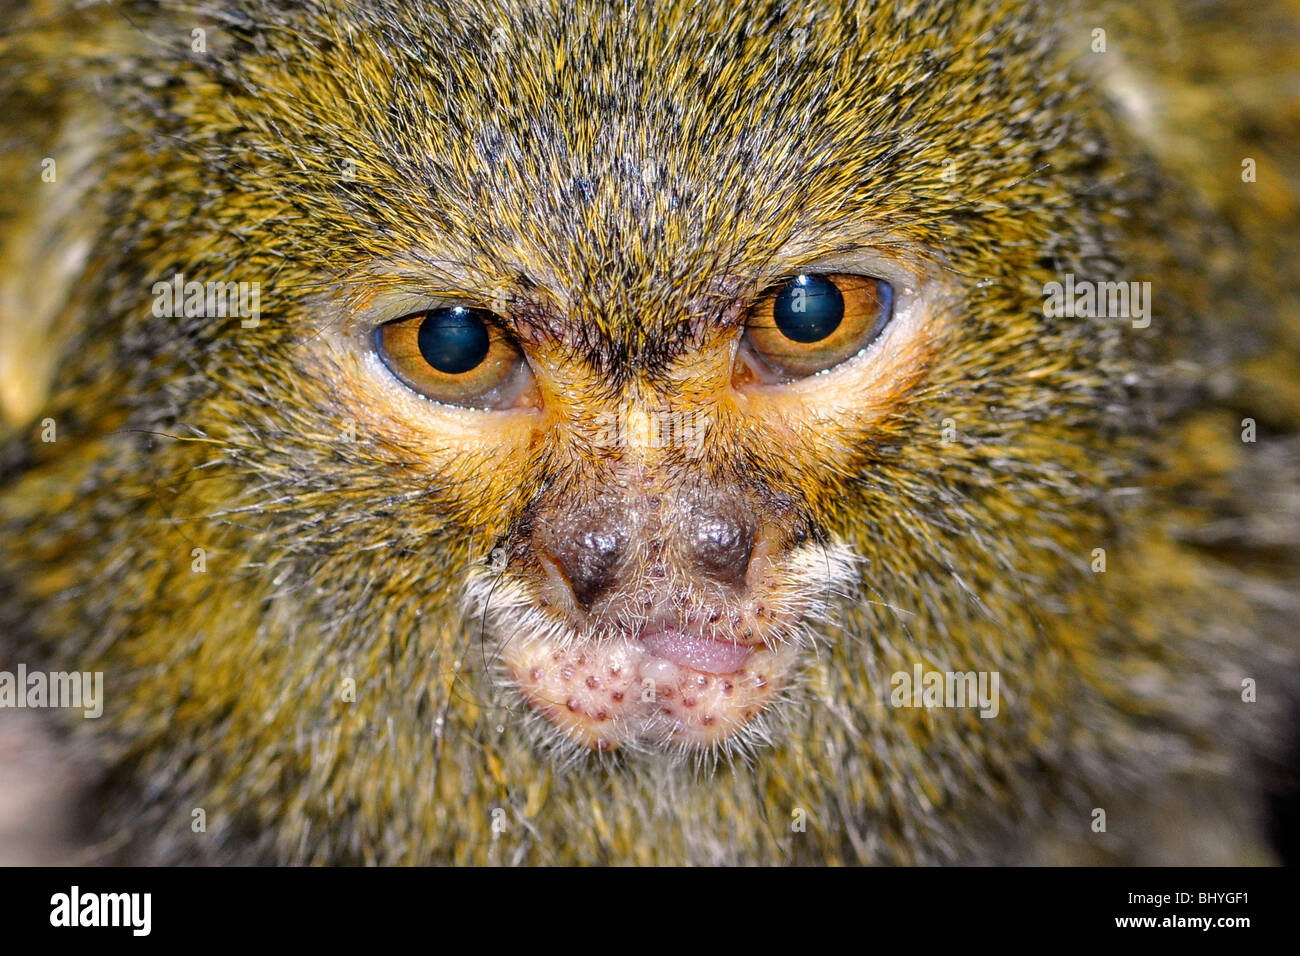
[662, 688]
[696, 652]
[669, 682]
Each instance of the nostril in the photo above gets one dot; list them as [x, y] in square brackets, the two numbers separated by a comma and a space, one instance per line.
[590, 560]
[723, 546]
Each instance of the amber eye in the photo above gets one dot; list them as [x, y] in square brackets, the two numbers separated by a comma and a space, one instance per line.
[810, 323]
[456, 355]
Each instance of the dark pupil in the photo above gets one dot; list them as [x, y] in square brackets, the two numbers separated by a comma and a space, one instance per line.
[808, 309]
[453, 340]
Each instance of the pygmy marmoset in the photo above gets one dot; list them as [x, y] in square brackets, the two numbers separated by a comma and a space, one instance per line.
[655, 431]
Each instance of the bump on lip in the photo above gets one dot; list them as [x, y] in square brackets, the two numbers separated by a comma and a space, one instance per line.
[602, 687]
[695, 651]
[616, 694]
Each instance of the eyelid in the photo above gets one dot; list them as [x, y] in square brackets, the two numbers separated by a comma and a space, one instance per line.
[360, 325]
[777, 355]
[359, 322]
[921, 286]
[499, 378]
[342, 339]
[394, 307]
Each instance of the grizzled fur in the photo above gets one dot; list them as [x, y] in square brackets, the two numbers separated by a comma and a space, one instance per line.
[597, 167]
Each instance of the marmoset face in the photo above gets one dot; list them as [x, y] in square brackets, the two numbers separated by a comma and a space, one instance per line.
[688, 388]
[663, 583]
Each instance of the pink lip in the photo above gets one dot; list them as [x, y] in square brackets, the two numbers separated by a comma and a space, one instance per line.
[698, 653]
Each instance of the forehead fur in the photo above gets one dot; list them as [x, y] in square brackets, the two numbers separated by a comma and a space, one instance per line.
[630, 173]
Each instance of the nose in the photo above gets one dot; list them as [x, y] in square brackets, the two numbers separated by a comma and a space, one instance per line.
[588, 544]
[720, 543]
[594, 543]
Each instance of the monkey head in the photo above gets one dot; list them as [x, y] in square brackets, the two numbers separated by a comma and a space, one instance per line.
[631, 383]
[685, 389]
